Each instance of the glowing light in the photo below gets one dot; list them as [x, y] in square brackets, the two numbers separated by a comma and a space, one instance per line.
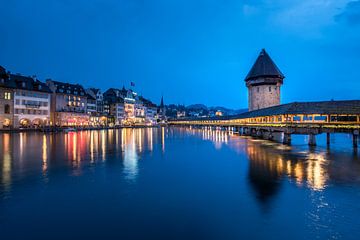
[44, 155]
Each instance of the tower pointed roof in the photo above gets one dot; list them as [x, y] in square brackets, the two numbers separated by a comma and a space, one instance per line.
[264, 66]
[162, 102]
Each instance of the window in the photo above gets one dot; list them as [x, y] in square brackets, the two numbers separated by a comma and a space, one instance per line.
[258, 89]
[7, 109]
[17, 102]
[269, 89]
[7, 95]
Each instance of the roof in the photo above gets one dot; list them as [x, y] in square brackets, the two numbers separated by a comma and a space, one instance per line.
[2, 71]
[113, 99]
[4, 79]
[95, 90]
[264, 66]
[89, 96]
[68, 88]
[147, 102]
[324, 107]
[27, 83]
[162, 102]
[349, 107]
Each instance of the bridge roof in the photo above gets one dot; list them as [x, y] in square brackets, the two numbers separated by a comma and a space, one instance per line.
[349, 107]
[264, 66]
[324, 107]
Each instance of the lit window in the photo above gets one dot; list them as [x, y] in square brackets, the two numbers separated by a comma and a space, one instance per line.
[7, 95]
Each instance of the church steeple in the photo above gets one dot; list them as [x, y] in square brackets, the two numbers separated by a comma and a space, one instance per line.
[162, 102]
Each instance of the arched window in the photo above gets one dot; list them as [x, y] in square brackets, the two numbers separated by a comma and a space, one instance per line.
[7, 109]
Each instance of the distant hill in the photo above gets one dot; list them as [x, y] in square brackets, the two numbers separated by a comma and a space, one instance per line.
[197, 107]
[200, 110]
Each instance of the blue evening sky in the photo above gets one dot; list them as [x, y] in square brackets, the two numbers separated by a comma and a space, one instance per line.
[191, 51]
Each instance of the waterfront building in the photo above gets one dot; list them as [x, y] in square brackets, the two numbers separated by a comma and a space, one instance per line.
[264, 82]
[139, 110]
[96, 92]
[90, 104]
[117, 110]
[129, 106]
[150, 111]
[32, 100]
[6, 100]
[69, 104]
[114, 105]
[95, 107]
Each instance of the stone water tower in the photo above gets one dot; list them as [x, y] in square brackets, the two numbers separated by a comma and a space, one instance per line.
[264, 82]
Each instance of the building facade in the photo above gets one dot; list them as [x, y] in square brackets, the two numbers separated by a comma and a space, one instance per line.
[68, 104]
[264, 83]
[32, 100]
[6, 100]
[96, 92]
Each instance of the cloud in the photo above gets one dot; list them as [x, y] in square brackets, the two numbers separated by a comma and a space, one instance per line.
[351, 14]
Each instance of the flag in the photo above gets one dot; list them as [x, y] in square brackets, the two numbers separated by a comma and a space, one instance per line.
[132, 84]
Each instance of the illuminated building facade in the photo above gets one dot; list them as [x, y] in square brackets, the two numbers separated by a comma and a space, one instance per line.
[68, 104]
[32, 100]
[96, 92]
[128, 108]
[6, 100]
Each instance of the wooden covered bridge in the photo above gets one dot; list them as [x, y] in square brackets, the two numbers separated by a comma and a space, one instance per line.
[310, 118]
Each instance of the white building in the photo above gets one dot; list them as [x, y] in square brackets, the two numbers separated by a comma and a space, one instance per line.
[31, 102]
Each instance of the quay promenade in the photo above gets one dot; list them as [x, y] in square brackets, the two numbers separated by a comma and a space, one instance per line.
[67, 129]
[309, 118]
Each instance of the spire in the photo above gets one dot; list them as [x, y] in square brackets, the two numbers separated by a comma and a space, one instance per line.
[264, 67]
[162, 102]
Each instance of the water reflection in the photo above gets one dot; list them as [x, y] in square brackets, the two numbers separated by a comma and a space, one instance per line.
[27, 154]
[248, 180]
[6, 164]
[131, 140]
[269, 162]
